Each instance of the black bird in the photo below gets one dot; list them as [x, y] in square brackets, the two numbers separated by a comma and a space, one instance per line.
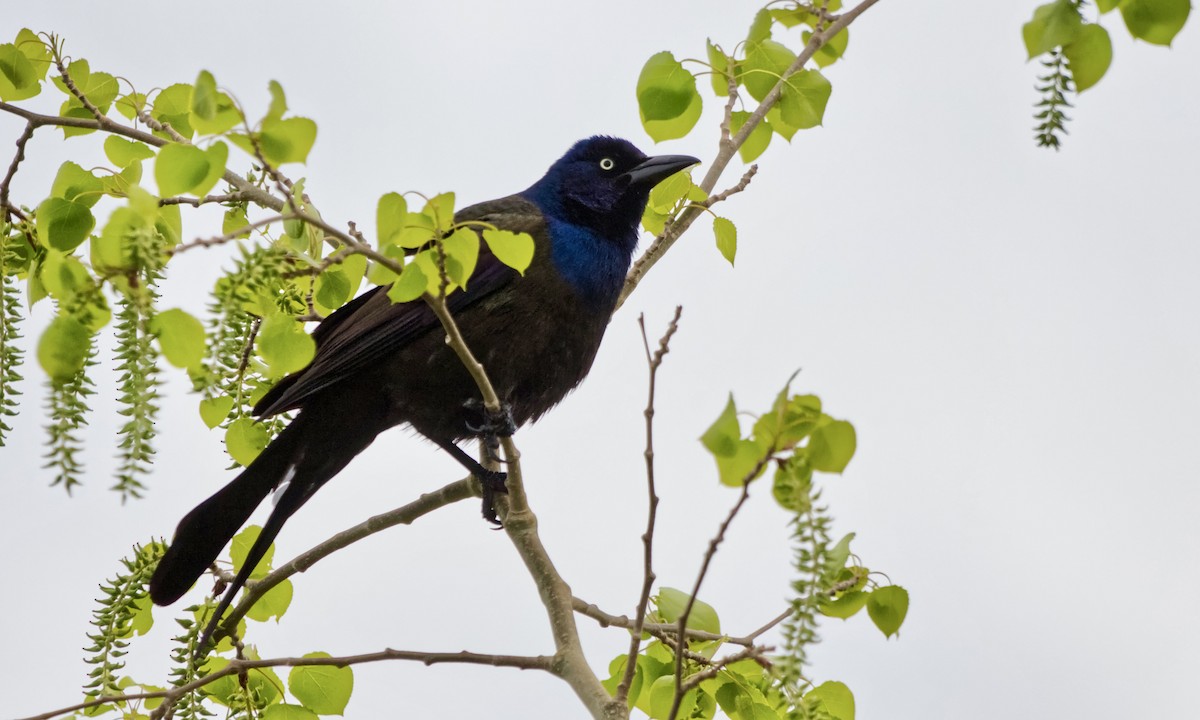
[379, 364]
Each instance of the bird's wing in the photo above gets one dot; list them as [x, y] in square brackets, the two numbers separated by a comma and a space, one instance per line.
[371, 326]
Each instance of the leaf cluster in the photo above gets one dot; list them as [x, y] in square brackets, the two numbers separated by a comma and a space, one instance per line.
[1078, 53]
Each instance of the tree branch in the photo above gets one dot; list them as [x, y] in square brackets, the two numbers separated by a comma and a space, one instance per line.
[404, 515]
[240, 665]
[653, 361]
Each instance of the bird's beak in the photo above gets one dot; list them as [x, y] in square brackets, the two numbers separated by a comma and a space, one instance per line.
[654, 170]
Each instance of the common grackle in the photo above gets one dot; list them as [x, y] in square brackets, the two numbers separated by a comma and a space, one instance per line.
[379, 364]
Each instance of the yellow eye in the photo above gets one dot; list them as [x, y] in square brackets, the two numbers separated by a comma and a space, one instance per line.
[607, 164]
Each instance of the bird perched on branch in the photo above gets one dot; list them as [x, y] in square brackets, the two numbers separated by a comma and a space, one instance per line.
[379, 364]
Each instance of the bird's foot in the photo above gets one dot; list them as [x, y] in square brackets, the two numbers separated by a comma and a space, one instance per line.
[490, 424]
[492, 483]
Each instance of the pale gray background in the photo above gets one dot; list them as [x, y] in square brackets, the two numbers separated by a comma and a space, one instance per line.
[1012, 331]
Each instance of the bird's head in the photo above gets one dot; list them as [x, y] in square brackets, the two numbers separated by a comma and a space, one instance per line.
[602, 183]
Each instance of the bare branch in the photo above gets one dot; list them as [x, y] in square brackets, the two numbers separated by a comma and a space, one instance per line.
[661, 630]
[240, 665]
[734, 190]
[653, 361]
[197, 202]
[222, 239]
[12, 169]
[253, 193]
[70, 83]
[404, 515]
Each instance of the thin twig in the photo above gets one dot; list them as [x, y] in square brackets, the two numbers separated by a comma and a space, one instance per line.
[660, 630]
[227, 237]
[239, 666]
[404, 515]
[253, 193]
[653, 360]
[70, 83]
[708, 557]
[733, 190]
[197, 202]
[716, 666]
[12, 168]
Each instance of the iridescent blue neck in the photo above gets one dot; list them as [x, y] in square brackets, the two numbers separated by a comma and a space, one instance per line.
[595, 266]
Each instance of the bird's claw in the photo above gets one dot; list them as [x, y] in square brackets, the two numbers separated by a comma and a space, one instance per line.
[490, 424]
[492, 483]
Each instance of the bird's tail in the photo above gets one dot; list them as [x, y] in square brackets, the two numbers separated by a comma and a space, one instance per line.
[303, 456]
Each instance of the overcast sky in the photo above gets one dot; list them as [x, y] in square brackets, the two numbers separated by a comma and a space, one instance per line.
[1013, 332]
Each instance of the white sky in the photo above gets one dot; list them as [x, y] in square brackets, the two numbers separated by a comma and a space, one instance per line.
[1012, 331]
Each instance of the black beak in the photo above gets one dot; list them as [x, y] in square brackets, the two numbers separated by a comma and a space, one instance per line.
[654, 170]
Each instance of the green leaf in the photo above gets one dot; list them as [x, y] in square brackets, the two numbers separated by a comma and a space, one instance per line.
[204, 96]
[131, 105]
[671, 603]
[173, 106]
[757, 142]
[835, 699]
[440, 209]
[513, 249]
[766, 62]
[723, 435]
[390, 214]
[284, 345]
[1107, 5]
[278, 101]
[836, 557]
[123, 153]
[1089, 56]
[63, 224]
[226, 117]
[831, 446]
[726, 234]
[1155, 21]
[180, 168]
[74, 183]
[273, 604]
[670, 191]
[235, 219]
[664, 88]
[462, 252]
[1053, 25]
[660, 130]
[63, 348]
[286, 711]
[332, 288]
[662, 697]
[845, 606]
[409, 286]
[760, 28]
[214, 410]
[720, 69]
[180, 336]
[216, 155]
[793, 484]
[736, 469]
[887, 607]
[290, 140]
[18, 77]
[832, 50]
[803, 99]
[63, 276]
[324, 689]
[245, 439]
[239, 550]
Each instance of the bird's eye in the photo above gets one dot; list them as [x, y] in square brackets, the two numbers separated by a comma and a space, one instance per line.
[607, 164]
